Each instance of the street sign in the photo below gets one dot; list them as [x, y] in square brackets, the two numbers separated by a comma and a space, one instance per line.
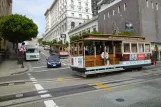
[129, 26]
[63, 35]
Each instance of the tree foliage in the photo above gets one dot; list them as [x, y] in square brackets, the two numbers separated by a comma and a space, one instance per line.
[17, 28]
[74, 38]
[40, 41]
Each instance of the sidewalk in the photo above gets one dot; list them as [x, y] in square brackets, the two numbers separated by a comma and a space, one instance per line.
[10, 67]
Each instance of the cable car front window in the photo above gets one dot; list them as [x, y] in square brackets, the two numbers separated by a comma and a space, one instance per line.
[126, 47]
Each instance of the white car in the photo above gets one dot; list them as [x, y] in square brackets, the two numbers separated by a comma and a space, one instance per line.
[46, 47]
[32, 53]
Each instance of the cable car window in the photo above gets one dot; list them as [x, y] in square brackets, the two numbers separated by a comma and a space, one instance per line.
[134, 48]
[126, 47]
[80, 46]
[75, 49]
[141, 47]
[147, 47]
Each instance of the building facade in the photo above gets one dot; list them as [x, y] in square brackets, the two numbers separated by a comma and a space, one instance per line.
[5, 7]
[89, 26]
[64, 15]
[143, 15]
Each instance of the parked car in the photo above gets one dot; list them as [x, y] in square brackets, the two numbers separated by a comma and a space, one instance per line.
[46, 47]
[53, 61]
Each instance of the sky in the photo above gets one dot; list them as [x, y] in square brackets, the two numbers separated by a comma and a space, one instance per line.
[33, 9]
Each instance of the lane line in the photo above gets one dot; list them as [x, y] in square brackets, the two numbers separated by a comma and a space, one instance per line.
[42, 92]
[52, 69]
[40, 89]
[39, 67]
[45, 95]
[50, 103]
[102, 86]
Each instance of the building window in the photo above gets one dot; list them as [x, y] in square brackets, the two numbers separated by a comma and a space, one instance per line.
[72, 14]
[79, 9]
[87, 16]
[86, 4]
[72, 7]
[108, 15]
[80, 23]
[72, 1]
[119, 9]
[79, 3]
[104, 17]
[72, 25]
[157, 6]
[65, 26]
[80, 15]
[152, 5]
[113, 12]
[147, 3]
[86, 10]
[125, 7]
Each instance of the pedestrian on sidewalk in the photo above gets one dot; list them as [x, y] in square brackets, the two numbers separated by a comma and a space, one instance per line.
[155, 55]
[21, 53]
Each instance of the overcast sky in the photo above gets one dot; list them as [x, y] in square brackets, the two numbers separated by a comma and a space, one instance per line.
[33, 9]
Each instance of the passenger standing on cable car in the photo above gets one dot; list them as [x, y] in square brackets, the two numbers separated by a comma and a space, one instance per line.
[105, 57]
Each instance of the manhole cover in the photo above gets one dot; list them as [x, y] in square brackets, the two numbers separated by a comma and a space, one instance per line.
[120, 100]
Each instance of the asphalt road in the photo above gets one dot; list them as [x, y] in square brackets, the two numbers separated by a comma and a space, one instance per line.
[61, 87]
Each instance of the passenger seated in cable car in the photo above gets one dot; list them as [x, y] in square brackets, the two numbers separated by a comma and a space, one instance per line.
[105, 57]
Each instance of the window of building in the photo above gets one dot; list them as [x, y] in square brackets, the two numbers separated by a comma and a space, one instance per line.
[86, 4]
[79, 9]
[119, 9]
[80, 15]
[141, 47]
[126, 47]
[113, 12]
[152, 5]
[72, 14]
[94, 29]
[87, 16]
[147, 48]
[72, 25]
[86, 10]
[134, 48]
[104, 17]
[80, 23]
[108, 14]
[72, 1]
[65, 26]
[72, 7]
[79, 3]
[157, 6]
[125, 7]
[147, 3]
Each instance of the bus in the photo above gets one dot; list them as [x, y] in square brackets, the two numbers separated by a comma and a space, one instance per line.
[124, 53]
[32, 52]
[59, 49]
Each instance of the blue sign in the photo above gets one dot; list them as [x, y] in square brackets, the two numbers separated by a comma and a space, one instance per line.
[132, 57]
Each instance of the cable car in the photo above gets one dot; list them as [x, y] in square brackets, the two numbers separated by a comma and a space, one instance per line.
[60, 50]
[100, 53]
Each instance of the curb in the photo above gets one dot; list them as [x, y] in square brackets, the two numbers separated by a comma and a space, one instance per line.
[21, 72]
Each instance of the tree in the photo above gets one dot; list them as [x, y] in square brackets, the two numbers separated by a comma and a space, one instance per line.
[17, 28]
[73, 38]
[40, 41]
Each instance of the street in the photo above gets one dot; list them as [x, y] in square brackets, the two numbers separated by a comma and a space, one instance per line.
[61, 87]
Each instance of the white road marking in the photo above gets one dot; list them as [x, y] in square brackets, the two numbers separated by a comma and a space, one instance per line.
[50, 103]
[40, 67]
[35, 82]
[52, 69]
[41, 92]
[44, 54]
[45, 95]
[38, 87]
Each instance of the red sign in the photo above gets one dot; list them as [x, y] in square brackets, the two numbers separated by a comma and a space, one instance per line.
[140, 56]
